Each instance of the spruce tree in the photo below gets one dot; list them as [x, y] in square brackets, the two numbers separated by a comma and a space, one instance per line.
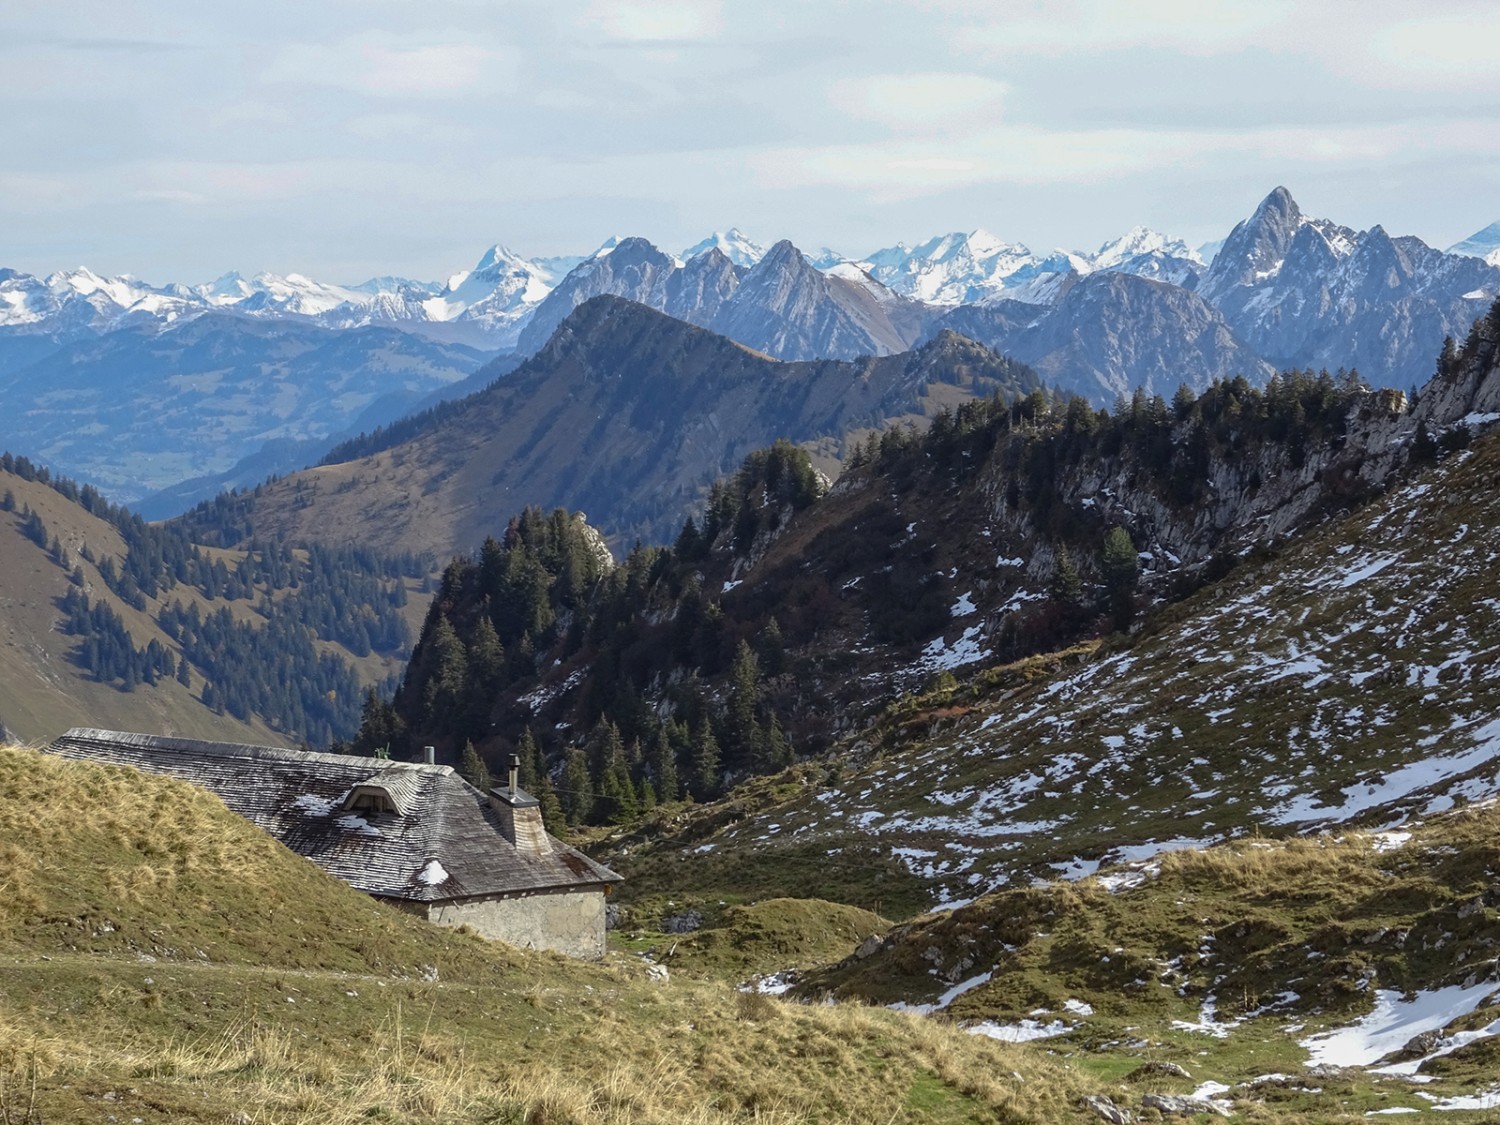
[705, 762]
[1122, 571]
[577, 794]
[473, 769]
[664, 767]
[743, 733]
[531, 762]
[553, 818]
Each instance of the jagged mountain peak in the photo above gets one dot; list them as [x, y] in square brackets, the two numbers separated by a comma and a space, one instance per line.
[499, 257]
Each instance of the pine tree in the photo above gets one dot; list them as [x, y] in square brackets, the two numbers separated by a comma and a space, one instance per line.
[1122, 571]
[705, 762]
[443, 696]
[473, 769]
[621, 791]
[1067, 586]
[577, 794]
[553, 818]
[531, 762]
[743, 733]
[486, 667]
[664, 767]
[772, 649]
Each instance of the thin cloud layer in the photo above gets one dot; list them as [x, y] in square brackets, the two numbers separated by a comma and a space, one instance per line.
[353, 138]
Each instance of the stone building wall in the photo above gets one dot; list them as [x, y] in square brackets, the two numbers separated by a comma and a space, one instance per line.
[570, 921]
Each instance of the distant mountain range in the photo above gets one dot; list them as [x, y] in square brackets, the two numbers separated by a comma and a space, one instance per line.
[1283, 289]
[626, 414]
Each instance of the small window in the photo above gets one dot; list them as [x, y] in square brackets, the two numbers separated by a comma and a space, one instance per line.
[370, 799]
[373, 802]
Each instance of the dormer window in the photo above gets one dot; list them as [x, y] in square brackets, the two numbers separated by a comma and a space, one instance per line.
[370, 799]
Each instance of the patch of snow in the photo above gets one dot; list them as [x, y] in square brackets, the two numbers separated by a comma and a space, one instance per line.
[939, 656]
[1482, 1099]
[357, 824]
[1391, 1024]
[1024, 1031]
[946, 998]
[964, 606]
[432, 873]
[731, 585]
[773, 984]
[315, 806]
[1389, 841]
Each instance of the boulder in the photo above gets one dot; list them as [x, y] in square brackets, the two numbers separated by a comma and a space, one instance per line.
[1104, 1106]
[1182, 1105]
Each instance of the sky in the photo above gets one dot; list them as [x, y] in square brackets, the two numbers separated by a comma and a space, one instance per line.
[345, 139]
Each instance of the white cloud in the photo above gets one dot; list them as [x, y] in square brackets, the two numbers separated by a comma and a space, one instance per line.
[919, 101]
[1452, 50]
[1082, 27]
[648, 21]
[382, 65]
[1028, 155]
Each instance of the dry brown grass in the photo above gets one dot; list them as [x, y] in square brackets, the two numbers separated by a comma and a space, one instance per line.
[308, 1011]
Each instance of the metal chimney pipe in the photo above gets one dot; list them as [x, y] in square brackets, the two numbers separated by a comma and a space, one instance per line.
[429, 755]
[515, 770]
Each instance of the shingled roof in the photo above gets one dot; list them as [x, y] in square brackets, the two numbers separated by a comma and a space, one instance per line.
[442, 841]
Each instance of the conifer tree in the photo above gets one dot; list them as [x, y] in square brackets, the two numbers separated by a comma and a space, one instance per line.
[1122, 571]
[486, 668]
[705, 762]
[664, 767]
[577, 794]
[743, 732]
[473, 769]
[443, 695]
[1067, 586]
[553, 818]
[530, 772]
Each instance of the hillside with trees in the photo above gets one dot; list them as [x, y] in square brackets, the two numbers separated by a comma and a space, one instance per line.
[133, 623]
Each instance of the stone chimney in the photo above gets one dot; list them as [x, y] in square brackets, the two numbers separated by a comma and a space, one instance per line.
[520, 815]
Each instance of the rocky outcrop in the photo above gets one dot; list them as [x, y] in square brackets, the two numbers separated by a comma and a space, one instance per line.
[1111, 332]
[1307, 292]
[782, 305]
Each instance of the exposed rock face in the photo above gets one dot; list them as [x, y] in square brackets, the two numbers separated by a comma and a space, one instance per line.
[634, 269]
[1309, 293]
[1110, 332]
[782, 305]
[786, 308]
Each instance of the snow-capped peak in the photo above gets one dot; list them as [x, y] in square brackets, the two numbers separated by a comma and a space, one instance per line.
[497, 258]
[1142, 240]
[733, 243]
[1481, 244]
[950, 269]
[607, 246]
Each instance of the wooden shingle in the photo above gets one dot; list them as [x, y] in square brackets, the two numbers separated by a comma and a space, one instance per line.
[443, 842]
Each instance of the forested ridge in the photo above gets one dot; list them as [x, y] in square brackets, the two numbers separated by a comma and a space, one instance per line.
[271, 655]
[631, 685]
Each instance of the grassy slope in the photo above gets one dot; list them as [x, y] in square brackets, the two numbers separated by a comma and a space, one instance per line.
[1291, 936]
[1350, 679]
[161, 960]
[43, 692]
